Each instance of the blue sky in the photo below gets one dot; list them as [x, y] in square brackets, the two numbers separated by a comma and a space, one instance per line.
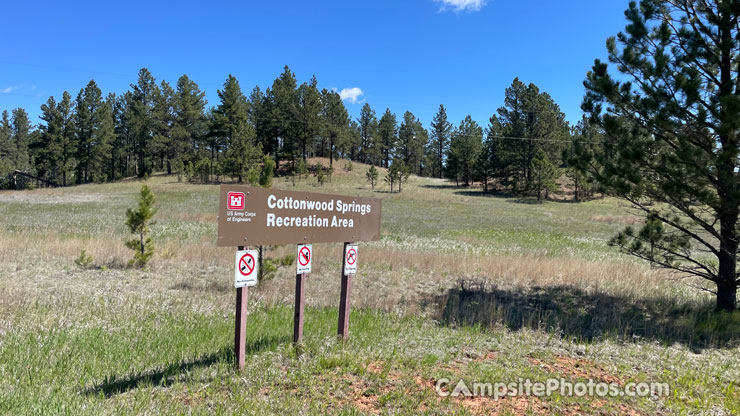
[402, 54]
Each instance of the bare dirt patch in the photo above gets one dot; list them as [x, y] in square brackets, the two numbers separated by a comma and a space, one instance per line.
[488, 406]
[577, 368]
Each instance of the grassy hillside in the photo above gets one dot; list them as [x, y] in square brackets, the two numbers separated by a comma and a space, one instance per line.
[461, 286]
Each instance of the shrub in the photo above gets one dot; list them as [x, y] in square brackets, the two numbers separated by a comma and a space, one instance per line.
[320, 175]
[84, 260]
[203, 169]
[268, 169]
[301, 168]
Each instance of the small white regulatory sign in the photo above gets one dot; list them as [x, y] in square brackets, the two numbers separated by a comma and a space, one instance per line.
[350, 259]
[246, 268]
[303, 262]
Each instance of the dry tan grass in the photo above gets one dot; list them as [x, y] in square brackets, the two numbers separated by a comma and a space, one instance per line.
[398, 273]
[391, 279]
[524, 270]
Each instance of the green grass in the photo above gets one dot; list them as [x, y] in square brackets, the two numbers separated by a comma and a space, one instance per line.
[136, 356]
[462, 286]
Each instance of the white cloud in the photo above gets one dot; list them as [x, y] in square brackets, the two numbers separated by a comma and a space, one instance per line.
[461, 5]
[351, 94]
[9, 89]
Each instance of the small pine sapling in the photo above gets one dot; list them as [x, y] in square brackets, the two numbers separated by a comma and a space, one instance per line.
[139, 222]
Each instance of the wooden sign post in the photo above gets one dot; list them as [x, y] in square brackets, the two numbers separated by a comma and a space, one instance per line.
[300, 300]
[304, 259]
[258, 216]
[349, 268]
[246, 270]
[240, 323]
[240, 326]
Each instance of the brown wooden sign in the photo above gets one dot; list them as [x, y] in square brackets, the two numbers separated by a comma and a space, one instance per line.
[258, 216]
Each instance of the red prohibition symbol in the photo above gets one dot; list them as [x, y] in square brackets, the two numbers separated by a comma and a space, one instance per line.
[351, 256]
[246, 264]
[304, 256]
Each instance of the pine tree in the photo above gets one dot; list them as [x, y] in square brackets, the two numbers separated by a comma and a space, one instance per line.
[368, 125]
[7, 148]
[465, 148]
[67, 136]
[91, 143]
[388, 136]
[49, 150]
[372, 176]
[441, 131]
[335, 121]
[21, 138]
[412, 140]
[309, 113]
[141, 120]
[164, 143]
[139, 222]
[544, 174]
[391, 175]
[350, 148]
[190, 126]
[585, 138]
[485, 167]
[671, 144]
[124, 144]
[282, 114]
[230, 123]
[402, 173]
[260, 110]
[105, 137]
[529, 120]
[398, 173]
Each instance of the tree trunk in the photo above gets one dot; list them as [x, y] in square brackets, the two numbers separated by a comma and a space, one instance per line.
[726, 279]
[142, 168]
[726, 296]
[331, 152]
[726, 284]
[277, 164]
[440, 160]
